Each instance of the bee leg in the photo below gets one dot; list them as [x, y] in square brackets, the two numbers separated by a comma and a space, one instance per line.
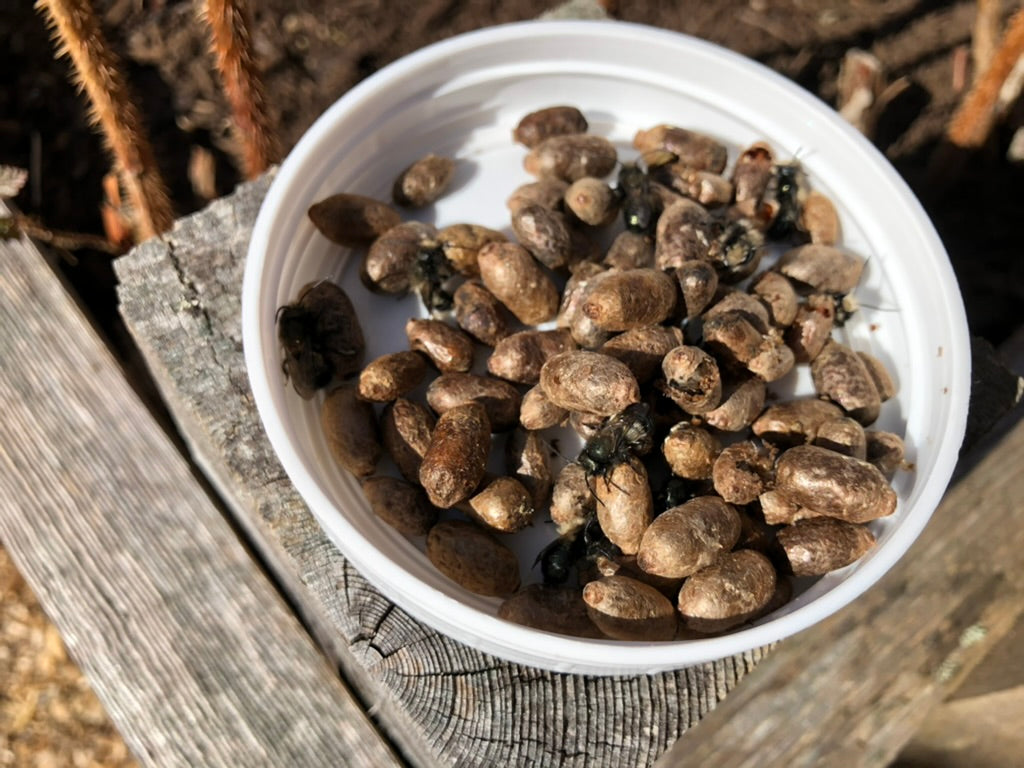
[606, 475]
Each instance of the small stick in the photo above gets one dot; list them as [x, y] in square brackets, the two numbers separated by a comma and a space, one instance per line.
[97, 72]
[18, 223]
[973, 121]
[859, 85]
[116, 221]
[202, 172]
[985, 35]
[961, 62]
[1010, 90]
[232, 50]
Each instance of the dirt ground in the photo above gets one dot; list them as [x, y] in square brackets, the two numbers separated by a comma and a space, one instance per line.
[312, 51]
[49, 715]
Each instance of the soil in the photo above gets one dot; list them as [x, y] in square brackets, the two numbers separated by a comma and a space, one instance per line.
[49, 715]
[312, 51]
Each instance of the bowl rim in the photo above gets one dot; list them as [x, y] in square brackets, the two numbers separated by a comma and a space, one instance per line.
[487, 632]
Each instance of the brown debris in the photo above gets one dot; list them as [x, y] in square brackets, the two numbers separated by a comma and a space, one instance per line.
[860, 83]
[48, 712]
[202, 172]
[973, 121]
[985, 35]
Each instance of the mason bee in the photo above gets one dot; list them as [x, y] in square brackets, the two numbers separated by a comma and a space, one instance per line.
[845, 307]
[321, 339]
[559, 557]
[640, 206]
[736, 249]
[785, 194]
[428, 274]
[624, 437]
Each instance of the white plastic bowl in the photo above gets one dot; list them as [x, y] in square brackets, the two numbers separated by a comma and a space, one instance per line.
[462, 97]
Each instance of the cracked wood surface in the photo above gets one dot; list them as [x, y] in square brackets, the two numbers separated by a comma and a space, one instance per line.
[441, 702]
[192, 652]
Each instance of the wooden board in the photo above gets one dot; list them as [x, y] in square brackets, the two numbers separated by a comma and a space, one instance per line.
[441, 702]
[976, 732]
[191, 651]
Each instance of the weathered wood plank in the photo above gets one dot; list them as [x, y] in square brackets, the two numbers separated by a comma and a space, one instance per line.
[976, 732]
[853, 690]
[192, 652]
[440, 701]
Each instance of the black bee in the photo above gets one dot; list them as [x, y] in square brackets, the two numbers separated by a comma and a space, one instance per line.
[785, 187]
[559, 557]
[321, 338]
[305, 362]
[676, 491]
[845, 307]
[624, 437]
[640, 205]
[429, 273]
[737, 249]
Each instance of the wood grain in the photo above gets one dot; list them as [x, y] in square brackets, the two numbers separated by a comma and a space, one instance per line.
[442, 703]
[193, 654]
[977, 732]
[853, 690]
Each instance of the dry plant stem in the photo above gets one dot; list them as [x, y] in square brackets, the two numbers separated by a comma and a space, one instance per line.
[115, 215]
[860, 82]
[973, 121]
[985, 35]
[961, 63]
[232, 49]
[70, 241]
[1010, 92]
[97, 73]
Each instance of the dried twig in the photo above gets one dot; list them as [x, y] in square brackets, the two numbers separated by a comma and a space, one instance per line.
[97, 73]
[961, 64]
[985, 35]
[60, 238]
[232, 49]
[1010, 91]
[116, 221]
[972, 122]
[14, 223]
[860, 82]
[863, 94]
[202, 172]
